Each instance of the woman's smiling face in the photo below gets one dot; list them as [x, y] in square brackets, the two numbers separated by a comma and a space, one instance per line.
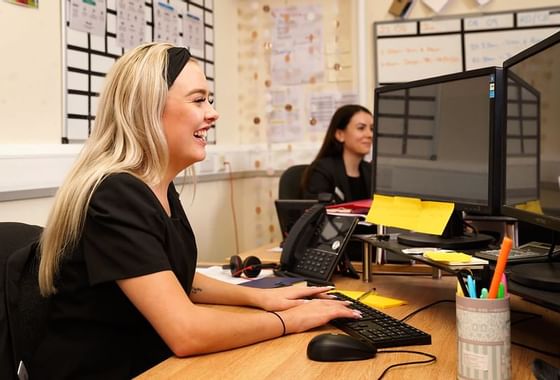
[187, 116]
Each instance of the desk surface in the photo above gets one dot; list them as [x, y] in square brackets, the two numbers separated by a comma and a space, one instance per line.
[285, 357]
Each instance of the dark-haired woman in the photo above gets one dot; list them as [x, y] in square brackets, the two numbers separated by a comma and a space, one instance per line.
[340, 168]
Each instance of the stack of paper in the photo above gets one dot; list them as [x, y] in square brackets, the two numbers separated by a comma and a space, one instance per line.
[454, 258]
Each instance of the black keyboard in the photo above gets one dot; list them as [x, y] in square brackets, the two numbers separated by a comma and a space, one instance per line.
[378, 328]
[526, 252]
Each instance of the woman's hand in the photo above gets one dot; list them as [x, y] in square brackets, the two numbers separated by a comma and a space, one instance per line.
[314, 313]
[288, 297]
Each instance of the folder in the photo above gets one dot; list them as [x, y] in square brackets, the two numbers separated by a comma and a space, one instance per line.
[275, 282]
[361, 207]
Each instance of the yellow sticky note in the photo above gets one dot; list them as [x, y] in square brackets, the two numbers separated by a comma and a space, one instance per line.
[448, 257]
[531, 206]
[373, 300]
[410, 213]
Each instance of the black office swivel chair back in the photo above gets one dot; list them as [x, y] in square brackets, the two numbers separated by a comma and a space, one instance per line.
[289, 186]
[23, 312]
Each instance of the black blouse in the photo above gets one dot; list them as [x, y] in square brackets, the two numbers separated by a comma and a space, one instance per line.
[94, 330]
[328, 175]
[358, 189]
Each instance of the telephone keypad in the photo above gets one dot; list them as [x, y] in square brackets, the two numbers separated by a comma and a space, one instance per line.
[316, 262]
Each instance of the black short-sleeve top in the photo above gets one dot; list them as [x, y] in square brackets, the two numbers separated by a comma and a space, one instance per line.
[94, 331]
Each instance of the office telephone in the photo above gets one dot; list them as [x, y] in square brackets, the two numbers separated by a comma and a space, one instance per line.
[315, 244]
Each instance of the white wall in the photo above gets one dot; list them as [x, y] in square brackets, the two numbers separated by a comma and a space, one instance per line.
[30, 73]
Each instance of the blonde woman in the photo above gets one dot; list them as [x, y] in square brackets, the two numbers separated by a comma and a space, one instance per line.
[118, 255]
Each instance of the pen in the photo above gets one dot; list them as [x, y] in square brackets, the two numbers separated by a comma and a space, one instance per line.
[500, 267]
[504, 281]
[484, 293]
[459, 290]
[371, 291]
[500, 290]
[471, 286]
[461, 282]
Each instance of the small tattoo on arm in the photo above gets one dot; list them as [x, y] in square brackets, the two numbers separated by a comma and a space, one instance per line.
[196, 290]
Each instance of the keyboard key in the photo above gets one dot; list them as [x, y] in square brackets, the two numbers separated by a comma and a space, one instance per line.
[378, 328]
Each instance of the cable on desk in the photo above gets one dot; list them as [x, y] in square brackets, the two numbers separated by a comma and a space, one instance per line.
[529, 317]
[188, 172]
[553, 354]
[529, 314]
[424, 308]
[232, 202]
[471, 226]
[419, 274]
[432, 359]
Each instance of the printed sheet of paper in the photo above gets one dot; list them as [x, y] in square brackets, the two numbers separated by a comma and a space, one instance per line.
[297, 45]
[218, 273]
[165, 23]
[88, 16]
[193, 32]
[436, 5]
[284, 115]
[130, 23]
[322, 106]
[410, 214]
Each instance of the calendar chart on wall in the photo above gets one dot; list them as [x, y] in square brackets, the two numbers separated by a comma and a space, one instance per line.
[422, 48]
[96, 33]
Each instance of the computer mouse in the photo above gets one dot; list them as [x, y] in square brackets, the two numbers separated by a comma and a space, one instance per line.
[338, 347]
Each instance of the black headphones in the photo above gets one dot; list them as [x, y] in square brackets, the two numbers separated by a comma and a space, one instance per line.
[250, 267]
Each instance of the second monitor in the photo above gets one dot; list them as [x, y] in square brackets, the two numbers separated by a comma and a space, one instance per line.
[439, 139]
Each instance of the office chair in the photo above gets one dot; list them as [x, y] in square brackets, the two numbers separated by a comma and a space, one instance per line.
[22, 309]
[289, 186]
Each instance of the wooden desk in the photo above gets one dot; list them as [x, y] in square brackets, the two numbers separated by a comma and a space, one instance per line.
[285, 357]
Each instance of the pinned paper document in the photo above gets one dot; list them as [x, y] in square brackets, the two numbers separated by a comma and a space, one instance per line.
[410, 213]
[436, 5]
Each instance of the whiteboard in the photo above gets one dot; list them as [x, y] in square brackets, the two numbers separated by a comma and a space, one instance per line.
[88, 56]
[415, 49]
[402, 60]
[493, 48]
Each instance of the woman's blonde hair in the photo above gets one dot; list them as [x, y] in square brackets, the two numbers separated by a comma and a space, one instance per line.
[127, 138]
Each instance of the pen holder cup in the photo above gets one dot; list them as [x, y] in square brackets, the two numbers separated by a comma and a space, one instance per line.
[483, 338]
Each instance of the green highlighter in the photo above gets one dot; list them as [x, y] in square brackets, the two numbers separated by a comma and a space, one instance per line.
[484, 293]
[501, 290]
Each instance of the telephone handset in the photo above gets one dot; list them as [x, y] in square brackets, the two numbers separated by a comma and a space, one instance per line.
[315, 244]
[301, 234]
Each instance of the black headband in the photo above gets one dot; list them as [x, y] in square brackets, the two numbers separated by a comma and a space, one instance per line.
[177, 58]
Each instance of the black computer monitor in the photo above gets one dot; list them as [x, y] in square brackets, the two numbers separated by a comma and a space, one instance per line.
[438, 139]
[532, 153]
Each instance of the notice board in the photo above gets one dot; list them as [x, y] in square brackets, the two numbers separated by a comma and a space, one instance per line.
[415, 49]
[88, 55]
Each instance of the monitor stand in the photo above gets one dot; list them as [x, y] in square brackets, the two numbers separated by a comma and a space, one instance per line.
[543, 276]
[453, 237]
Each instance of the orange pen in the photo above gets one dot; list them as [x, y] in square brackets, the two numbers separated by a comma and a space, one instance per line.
[500, 267]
